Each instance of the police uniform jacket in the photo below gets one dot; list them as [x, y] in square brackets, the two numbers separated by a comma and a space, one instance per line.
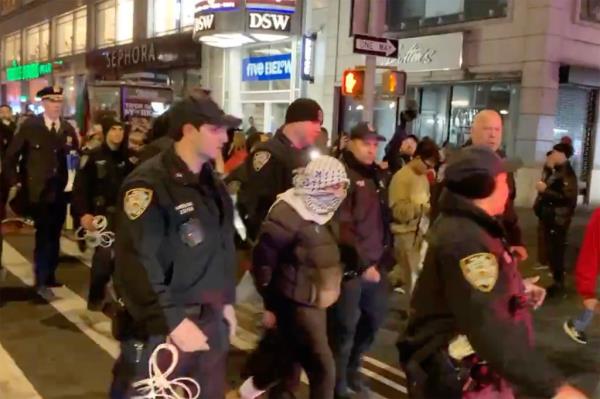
[365, 218]
[556, 205]
[174, 243]
[269, 172]
[6, 134]
[37, 159]
[98, 181]
[296, 258]
[470, 285]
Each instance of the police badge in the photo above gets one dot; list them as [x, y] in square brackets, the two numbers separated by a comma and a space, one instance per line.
[260, 159]
[480, 270]
[136, 202]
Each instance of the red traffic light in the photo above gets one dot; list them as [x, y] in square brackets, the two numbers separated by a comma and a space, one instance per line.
[353, 82]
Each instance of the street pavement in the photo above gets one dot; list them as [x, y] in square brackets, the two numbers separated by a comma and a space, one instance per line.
[61, 351]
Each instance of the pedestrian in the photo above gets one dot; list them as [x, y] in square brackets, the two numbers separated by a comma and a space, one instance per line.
[542, 246]
[95, 194]
[36, 166]
[175, 256]
[269, 168]
[586, 275]
[367, 253]
[409, 195]
[237, 152]
[296, 268]
[470, 332]
[7, 131]
[251, 126]
[393, 148]
[555, 206]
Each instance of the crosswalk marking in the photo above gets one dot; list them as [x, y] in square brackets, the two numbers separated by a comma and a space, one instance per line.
[73, 308]
[13, 383]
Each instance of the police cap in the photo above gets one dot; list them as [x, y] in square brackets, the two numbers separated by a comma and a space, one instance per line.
[198, 111]
[475, 160]
[51, 93]
[364, 130]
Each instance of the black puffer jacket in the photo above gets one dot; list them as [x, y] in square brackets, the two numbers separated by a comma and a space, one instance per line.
[297, 259]
[556, 205]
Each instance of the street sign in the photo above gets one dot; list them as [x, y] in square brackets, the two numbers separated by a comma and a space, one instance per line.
[379, 46]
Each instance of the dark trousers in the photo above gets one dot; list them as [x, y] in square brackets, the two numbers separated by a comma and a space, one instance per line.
[49, 219]
[556, 246]
[299, 342]
[207, 368]
[542, 245]
[353, 323]
[100, 274]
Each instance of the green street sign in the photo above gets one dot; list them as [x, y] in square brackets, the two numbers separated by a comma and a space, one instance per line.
[28, 71]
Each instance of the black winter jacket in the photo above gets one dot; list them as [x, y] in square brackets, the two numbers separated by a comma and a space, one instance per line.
[556, 205]
[297, 259]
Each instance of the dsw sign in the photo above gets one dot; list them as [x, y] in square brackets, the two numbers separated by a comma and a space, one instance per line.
[269, 21]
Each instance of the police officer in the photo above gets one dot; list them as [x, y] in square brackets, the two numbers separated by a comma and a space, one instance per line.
[470, 332]
[95, 193]
[175, 255]
[367, 253]
[555, 206]
[36, 163]
[270, 166]
[7, 130]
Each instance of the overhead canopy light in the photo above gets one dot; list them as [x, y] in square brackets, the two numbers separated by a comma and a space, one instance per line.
[226, 40]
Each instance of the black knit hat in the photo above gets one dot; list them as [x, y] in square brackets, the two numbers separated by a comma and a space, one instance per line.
[565, 148]
[108, 122]
[304, 110]
[472, 172]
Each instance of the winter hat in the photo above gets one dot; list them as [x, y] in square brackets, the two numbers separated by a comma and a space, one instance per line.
[108, 122]
[324, 171]
[565, 148]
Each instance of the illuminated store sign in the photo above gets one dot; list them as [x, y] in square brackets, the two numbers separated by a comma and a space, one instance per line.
[29, 71]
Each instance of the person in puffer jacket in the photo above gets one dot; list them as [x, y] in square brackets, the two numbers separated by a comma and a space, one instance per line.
[586, 276]
[296, 268]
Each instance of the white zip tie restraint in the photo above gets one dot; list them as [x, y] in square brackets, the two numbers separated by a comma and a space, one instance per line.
[158, 385]
[99, 237]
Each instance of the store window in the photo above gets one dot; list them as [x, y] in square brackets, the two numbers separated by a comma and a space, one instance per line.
[590, 10]
[11, 48]
[114, 22]
[37, 42]
[256, 58]
[70, 32]
[69, 95]
[169, 16]
[7, 6]
[415, 14]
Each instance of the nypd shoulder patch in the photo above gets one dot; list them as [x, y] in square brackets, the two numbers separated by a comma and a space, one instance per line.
[136, 202]
[480, 270]
[260, 159]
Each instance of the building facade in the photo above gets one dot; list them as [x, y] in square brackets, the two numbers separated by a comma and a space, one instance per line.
[535, 61]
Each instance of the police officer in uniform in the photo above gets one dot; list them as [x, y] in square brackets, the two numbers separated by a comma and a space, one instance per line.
[367, 252]
[36, 165]
[175, 256]
[270, 166]
[470, 330]
[95, 193]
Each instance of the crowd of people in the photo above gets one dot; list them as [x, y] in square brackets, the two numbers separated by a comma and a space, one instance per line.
[329, 235]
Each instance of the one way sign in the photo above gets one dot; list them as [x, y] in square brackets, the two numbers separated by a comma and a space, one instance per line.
[372, 45]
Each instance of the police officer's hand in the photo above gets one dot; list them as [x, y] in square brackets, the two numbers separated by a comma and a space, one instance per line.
[520, 252]
[188, 337]
[269, 320]
[371, 275]
[87, 222]
[231, 319]
[569, 392]
[535, 293]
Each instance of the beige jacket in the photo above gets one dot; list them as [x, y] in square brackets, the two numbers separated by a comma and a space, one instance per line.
[409, 200]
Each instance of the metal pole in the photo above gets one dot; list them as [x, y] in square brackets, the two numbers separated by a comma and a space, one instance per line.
[375, 28]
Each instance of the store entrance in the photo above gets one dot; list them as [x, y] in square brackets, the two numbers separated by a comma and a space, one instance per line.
[268, 115]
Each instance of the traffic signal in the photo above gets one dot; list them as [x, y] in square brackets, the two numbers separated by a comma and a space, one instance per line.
[394, 83]
[353, 82]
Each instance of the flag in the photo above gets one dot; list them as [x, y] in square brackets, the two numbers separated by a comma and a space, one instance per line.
[82, 109]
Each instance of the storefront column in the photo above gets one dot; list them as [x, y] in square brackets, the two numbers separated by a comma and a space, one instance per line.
[535, 135]
[594, 189]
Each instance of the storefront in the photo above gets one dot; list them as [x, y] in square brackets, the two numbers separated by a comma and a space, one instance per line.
[259, 45]
[175, 60]
[446, 106]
